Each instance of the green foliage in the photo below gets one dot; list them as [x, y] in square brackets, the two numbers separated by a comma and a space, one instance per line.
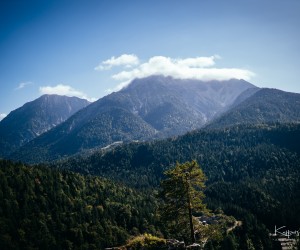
[146, 242]
[42, 208]
[183, 184]
[182, 195]
[253, 172]
[257, 163]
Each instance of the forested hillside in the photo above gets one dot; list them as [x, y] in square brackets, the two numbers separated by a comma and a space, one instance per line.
[42, 208]
[253, 174]
[255, 168]
[262, 106]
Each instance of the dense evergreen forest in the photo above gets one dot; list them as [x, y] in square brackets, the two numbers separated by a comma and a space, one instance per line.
[252, 174]
[252, 168]
[42, 208]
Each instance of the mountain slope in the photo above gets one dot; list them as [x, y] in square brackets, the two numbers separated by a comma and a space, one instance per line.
[43, 208]
[100, 124]
[149, 108]
[35, 118]
[182, 105]
[264, 106]
[255, 168]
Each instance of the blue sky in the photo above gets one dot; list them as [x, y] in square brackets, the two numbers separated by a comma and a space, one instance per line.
[90, 48]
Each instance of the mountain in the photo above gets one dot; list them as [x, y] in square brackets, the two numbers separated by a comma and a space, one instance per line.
[35, 118]
[262, 106]
[100, 124]
[149, 108]
[175, 106]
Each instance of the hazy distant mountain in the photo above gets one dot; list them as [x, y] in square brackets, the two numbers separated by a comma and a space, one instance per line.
[264, 106]
[153, 107]
[34, 118]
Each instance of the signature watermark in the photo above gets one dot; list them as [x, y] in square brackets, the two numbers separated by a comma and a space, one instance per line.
[283, 231]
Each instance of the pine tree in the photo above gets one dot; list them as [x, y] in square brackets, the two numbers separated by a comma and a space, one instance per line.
[182, 194]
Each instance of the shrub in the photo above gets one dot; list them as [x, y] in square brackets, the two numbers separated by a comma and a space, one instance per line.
[146, 242]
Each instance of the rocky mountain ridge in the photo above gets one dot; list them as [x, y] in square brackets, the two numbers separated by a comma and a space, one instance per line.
[149, 108]
[35, 118]
[262, 106]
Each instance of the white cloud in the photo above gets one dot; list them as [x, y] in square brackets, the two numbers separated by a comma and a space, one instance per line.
[199, 68]
[197, 62]
[127, 60]
[23, 85]
[66, 90]
[2, 116]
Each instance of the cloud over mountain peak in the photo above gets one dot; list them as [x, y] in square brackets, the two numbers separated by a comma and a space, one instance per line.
[200, 68]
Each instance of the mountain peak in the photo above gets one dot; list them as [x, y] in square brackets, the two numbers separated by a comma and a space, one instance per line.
[149, 108]
[262, 106]
[35, 118]
[60, 97]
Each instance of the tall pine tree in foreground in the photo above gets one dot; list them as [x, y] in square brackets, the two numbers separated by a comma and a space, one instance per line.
[182, 195]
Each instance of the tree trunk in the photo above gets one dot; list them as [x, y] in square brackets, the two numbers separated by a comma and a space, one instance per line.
[190, 210]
